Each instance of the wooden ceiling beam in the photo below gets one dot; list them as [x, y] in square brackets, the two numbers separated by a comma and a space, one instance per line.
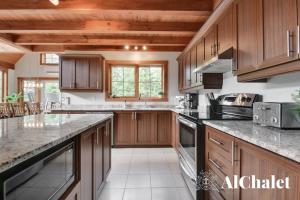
[7, 39]
[94, 26]
[100, 40]
[163, 5]
[63, 48]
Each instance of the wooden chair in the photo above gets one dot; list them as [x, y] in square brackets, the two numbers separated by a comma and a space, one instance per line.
[5, 110]
[18, 109]
[33, 108]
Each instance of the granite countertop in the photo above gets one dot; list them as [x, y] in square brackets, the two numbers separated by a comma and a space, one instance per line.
[117, 107]
[24, 137]
[282, 142]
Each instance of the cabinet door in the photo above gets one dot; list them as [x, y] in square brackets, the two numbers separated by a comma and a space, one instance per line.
[187, 70]
[67, 73]
[249, 35]
[82, 73]
[86, 162]
[225, 27]
[124, 128]
[193, 65]
[252, 160]
[175, 127]
[107, 149]
[164, 128]
[210, 43]
[95, 81]
[74, 194]
[279, 20]
[145, 122]
[180, 73]
[200, 59]
[98, 160]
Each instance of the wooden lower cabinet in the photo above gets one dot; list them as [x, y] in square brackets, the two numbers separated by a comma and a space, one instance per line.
[95, 160]
[252, 160]
[175, 130]
[247, 160]
[138, 128]
[75, 193]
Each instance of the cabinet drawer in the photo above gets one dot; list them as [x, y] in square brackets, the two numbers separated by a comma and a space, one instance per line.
[221, 142]
[218, 163]
[218, 192]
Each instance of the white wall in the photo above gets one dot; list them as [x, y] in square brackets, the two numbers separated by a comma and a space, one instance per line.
[29, 66]
[277, 89]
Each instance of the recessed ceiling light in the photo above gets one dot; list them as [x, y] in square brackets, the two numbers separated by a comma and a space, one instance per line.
[54, 2]
[136, 48]
[144, 47]
[127, 47]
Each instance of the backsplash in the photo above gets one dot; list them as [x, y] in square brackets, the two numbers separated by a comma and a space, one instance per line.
[276, 89]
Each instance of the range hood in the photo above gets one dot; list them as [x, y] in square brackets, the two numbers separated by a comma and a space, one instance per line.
[219, 64]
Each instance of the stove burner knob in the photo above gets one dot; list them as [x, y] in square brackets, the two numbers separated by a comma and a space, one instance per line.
[274, 120]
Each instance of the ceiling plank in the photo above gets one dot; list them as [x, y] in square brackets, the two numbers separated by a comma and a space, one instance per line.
[179, 5]
[8, 60]
[94, 26]
[47, 39]
[63, 48]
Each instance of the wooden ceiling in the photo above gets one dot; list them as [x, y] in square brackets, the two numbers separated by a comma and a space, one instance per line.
[161, 25]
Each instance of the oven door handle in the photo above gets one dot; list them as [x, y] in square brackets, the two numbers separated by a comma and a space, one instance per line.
[186, 171]
[187, 123]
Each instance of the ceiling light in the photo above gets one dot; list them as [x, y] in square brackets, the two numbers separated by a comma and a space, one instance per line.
[54, 2]
[127, 47]
[136, 48]
[144, 47]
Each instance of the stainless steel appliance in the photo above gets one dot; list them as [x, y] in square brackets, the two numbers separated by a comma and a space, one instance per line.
[280, 115]
[191, 101]
[192, 134]
[45, 177]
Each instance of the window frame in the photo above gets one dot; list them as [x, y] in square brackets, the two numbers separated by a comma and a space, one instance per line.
[4, 84]
[43, 60]
[136, 64]
[38, 94]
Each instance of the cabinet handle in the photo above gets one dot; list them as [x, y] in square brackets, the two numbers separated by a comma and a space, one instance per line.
[215, 164]
[289, 35]
[211, 50]
[97, 136]
[215, 141]
[232, 153]
[97, 84]
[135, 115]
[70, 85]
[298, 39]
[132, 115]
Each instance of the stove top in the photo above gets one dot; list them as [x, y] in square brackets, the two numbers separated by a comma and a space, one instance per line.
[195, 115]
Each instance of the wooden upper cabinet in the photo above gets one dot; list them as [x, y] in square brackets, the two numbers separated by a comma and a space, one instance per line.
[124, 123]
[67, 73]
[226, 31]
[279, 32]
[193, 65]
[96, 73]
[249, 35]
[252, 160]
[180, 73]
[200, 59]
[210, 41]
[145, 127]
[81, 73]
[187, 70]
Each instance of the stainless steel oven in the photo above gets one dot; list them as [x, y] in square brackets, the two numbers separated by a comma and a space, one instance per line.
[189, 136]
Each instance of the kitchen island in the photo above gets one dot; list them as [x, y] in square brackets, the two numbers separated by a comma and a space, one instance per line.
[32, 144]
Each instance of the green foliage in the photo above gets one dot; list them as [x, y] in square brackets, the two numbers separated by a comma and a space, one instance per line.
[296, 98]
[13, 97]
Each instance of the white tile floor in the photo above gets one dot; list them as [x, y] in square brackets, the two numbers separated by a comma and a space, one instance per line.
[145, 174]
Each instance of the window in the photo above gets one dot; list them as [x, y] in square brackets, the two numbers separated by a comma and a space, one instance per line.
[49, 59]
[145, 80]
[39, 89]
[3, 85]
